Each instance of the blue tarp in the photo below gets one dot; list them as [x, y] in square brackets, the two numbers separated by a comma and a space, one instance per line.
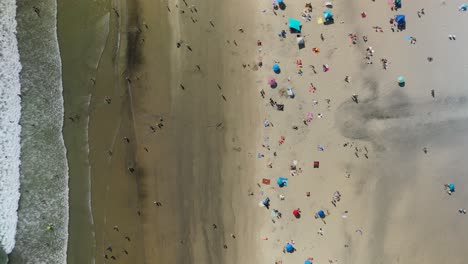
[282, 182]
[295, 24]
[400, 19]
[327, 14]
[289, 248]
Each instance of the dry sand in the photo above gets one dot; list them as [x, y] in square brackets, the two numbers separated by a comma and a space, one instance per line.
[395, 195]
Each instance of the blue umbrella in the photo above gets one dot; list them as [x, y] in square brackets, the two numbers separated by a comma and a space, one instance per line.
[276, 68]
[327, 14]
[307, 262]
[289, 248]
[321, 214]
[400, 19]
[280, 1]
[451, 187]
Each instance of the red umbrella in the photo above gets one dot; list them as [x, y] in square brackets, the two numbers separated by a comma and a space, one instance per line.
[297, 213]
[271, 81]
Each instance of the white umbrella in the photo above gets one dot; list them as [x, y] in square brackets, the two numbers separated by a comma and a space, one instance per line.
[300, 41]
[328, 4]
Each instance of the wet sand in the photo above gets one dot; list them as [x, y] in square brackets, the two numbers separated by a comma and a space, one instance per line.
[186, 165]
[80, 53]
[181, 164]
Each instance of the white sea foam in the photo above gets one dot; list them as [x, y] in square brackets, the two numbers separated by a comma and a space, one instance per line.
[10, 112]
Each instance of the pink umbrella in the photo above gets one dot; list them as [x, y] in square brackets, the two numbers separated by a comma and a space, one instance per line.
[310, 116]
[271, 81]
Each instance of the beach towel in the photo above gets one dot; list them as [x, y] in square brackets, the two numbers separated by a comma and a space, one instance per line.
[266, 181]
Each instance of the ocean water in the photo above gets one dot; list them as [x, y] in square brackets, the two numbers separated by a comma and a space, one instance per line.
[10, 129]
[44, 169]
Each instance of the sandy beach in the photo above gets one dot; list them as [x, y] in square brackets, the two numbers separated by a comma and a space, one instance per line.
[183, 128]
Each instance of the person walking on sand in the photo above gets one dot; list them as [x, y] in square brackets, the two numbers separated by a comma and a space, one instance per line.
[320, 231]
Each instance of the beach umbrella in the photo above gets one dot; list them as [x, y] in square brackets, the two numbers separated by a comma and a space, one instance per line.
[280, 1]
[463, 7]
[282, 182]
[276, 68]
[289, 248]
[271, 81]
[300, 41]
[400, 19]
[401, 79]
[295, 24]
[328, 4]
[307, 262]
[451, 187]
[321, 214]
[327, 14]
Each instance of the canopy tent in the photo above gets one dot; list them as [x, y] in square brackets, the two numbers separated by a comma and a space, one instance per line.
[295, 24]
[400, 19]
[327, 14]
[289, 248]
[276, 68]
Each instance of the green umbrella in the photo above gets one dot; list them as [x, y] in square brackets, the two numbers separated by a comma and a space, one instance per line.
[401, 79]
